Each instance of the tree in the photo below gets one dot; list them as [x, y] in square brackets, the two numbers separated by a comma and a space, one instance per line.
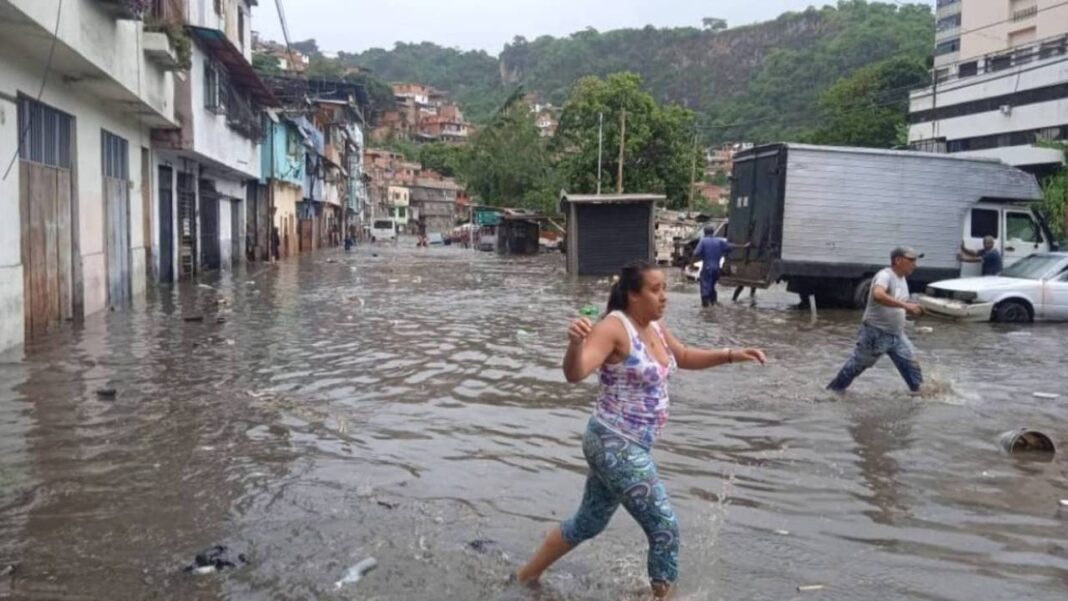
[265, 64]
[446, 159]
[869, 107]
[658, 145]
[507, 164]
[713, 24]
[1055, 196]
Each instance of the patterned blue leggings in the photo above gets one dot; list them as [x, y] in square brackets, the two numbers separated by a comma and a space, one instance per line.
[622, 471]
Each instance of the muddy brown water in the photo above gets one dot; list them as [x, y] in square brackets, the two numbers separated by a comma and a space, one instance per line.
[406, 405]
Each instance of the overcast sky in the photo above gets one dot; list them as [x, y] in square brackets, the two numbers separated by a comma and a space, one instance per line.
[356, 25]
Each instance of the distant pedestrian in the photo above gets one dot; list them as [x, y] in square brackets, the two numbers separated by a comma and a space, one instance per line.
[276, 242]
[710, 252]
[636, 355]
[989, 256]
[883, 329]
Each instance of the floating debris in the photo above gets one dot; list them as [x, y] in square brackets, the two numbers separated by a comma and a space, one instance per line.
[214, 559]
[782, 532]
[589, 311]
[107, 393]
[924, 330]
[481, 545]
[205, 286]
[193, 318]
[220, 319]
[1064, 502]
[1028, 443]
[387, 505]
[809, 588]
[1049, 396]
[9, 570]
[356, 572]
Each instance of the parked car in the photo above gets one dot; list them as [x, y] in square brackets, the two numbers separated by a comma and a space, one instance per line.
[823, 219]
[384, 230]
[1034, 288]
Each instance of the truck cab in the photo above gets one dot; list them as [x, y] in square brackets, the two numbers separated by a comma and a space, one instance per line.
[1017, 233]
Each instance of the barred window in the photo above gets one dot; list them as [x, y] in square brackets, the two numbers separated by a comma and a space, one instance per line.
[44, 134]
[115, 155]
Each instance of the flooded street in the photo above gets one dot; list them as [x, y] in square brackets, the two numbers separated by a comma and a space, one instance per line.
[410, 406]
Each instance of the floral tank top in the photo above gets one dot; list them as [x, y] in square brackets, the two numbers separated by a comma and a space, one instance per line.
[633, 398]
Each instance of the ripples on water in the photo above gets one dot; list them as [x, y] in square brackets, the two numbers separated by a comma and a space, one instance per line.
[404, 405]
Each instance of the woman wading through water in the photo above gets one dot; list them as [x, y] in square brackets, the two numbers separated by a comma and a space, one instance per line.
[635, 355]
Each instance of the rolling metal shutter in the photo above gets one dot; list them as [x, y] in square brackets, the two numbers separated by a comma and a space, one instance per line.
[612, 235]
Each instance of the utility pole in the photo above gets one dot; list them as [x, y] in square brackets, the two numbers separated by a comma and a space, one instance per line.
[622, 139]
[693, 173]
[600, 149]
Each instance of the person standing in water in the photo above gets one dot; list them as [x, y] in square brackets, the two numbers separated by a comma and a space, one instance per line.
[882, 331]
[636, 355]
[710, 252]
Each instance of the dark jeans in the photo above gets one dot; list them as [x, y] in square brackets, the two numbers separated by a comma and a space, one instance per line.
[709, 278]
[873, 343]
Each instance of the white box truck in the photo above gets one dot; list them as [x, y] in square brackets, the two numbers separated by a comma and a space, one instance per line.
[824, 219]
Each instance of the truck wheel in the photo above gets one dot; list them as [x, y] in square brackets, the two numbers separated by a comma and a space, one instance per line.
[1013, 311]
[861, 292]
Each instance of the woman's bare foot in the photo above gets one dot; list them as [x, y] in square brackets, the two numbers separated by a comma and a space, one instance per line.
[553, 548]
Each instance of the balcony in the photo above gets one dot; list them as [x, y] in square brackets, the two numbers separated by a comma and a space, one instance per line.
[125, 9]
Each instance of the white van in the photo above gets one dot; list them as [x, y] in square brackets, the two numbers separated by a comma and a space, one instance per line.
[383, 230]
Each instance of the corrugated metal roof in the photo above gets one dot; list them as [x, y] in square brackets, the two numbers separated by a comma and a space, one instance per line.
[241, 72]
[609, 198]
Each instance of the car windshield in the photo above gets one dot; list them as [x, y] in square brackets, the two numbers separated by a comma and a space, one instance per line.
[1033, 267]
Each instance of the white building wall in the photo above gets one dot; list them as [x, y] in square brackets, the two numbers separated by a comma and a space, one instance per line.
[90, 117]
[11, 305]
[213, 139]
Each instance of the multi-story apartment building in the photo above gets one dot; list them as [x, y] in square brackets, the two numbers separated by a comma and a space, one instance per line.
[1000, 82]
[82, 85]
[207, 168]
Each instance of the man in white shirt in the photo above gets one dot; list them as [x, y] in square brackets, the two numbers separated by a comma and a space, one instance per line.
[883, 328]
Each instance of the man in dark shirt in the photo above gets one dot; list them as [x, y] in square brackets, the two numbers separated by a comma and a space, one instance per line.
[710, 252]
[990, 257]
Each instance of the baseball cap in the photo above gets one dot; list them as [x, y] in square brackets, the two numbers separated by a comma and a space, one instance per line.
[905, 251]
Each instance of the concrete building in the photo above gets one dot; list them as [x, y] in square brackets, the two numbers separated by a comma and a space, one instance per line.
[283, 163]
[208, 168]
[1001, 82]
[399, 205]
[82, 84]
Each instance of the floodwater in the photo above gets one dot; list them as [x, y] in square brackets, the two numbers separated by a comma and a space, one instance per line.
[406, 405]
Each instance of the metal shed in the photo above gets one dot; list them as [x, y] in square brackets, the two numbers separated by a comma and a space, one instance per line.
[605, 232]
[519, 233]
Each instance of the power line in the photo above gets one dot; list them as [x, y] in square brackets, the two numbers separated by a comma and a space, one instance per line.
[285, 34]
[40, 92]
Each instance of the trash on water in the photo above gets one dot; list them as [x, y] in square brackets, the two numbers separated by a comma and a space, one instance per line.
[331, 260]
[523, 333]
[782, 532]
[481, 545]
[589, 311]
[809, 588]
[214, 559]
[107, 393]
[9, 569]
[393, 281]
[1064, 502]
[1047, 395]
[1027, 443]
[386, 505]
[220, 319]
[205, 286]
[356, 572]
[924, 330]
[193, 318]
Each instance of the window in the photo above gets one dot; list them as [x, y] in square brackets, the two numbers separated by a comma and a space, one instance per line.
[241, 27]
[968, 69]
[999, 63]
[1020, 226]
[218, 7]
[984, 223]
[948, 47]
[214, 89]
[950, 22]
[115, 155]
[44, 134]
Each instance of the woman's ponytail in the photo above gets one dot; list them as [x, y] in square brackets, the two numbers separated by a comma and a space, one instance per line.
[630, 279]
